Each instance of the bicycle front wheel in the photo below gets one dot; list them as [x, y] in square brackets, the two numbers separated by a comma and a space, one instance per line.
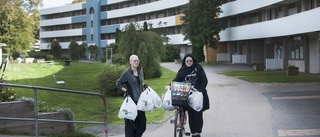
[178, 124]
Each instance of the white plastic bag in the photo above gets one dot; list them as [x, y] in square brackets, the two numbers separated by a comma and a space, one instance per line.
[155, 98]
[195, 100]
[128, 109]
[145, 101]
[167, 101]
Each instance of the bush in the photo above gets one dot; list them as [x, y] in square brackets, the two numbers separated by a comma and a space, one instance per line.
[15, 55]
[37, 55]
[65, 57]
[103, 60]
[107, 80]
[49, 57]
[6, 94]
[118, 59]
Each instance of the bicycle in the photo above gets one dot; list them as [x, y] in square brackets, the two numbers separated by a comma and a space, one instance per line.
[179, 122]
[179, 99]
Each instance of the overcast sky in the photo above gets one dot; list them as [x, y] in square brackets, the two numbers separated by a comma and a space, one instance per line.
[54, 3]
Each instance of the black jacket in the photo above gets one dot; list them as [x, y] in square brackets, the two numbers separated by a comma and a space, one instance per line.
[197, 76]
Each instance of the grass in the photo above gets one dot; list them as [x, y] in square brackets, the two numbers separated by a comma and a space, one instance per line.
[270, 77]
[83, 77]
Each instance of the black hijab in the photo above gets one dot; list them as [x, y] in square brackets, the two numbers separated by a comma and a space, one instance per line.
[187, 70]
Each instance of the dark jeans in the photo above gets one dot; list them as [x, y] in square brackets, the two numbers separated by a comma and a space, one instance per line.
[136, 128]
[195, 120]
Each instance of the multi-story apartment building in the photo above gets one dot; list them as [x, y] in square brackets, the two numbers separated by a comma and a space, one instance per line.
[275, 33]
[95, 21]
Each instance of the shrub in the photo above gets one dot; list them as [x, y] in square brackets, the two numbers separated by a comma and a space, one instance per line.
[6, 94]
[103, 60]
[15, 55]
[49, 57]
[37, 55]
[292, 67]
[118, 59]
[65, 57]
[107, 80]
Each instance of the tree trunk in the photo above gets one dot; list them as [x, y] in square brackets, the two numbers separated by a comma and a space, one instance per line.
[207, 56]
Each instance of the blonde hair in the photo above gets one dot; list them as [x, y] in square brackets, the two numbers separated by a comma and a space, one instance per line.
[132, 57]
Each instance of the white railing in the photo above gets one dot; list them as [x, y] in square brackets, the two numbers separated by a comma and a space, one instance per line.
[222, 57]
[239, 59]
[274, 64]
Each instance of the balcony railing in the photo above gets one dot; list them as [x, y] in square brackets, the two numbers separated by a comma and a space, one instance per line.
[273, 64]
[239, 59]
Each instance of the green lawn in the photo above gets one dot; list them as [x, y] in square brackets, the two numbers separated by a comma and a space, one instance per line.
[83, 77]
[270, 77]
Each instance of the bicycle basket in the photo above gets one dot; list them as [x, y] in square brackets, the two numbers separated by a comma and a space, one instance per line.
[180, 93]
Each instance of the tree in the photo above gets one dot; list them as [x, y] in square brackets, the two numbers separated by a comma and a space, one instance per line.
[147, 45]
[14, 28]
[74, 50]
[18, 24]
[94, 51]
[55, 49]
[172, 53]
[82, 49]
[145, 26]
[201, 24]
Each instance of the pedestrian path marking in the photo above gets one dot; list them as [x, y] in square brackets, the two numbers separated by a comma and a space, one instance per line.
[296, 97]
[299, 132]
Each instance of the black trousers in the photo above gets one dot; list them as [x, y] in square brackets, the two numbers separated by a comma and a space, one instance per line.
[195, 120]
[136, 128]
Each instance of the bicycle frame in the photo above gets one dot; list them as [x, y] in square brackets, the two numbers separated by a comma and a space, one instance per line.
[179, 122]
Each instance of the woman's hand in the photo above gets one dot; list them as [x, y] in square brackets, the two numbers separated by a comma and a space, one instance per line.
[167, 87]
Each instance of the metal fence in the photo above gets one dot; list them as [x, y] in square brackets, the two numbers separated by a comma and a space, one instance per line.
[36, 119]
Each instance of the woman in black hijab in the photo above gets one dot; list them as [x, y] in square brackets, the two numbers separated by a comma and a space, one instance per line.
[193, 72]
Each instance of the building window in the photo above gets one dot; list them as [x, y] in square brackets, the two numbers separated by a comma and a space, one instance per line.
[296, 48]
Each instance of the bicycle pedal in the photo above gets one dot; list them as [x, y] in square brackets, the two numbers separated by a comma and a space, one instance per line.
[187, 133]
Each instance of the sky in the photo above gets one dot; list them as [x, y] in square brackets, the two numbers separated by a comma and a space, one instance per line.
[54, 3]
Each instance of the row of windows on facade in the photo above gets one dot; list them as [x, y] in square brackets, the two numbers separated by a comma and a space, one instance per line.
[169, 31]
[104, 8]
[270, 14]
[111, 7]
[151, 15]
[141, 17]
[251, 18]
[115, 6]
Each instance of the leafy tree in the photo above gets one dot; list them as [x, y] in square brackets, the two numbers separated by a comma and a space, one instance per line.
[145, 26]
[74, 50]
[82, 49]
[197, 52]
[36, 24]
[94, 51]
[55, 49]
[201, 24]
[146, 44]
[15, 28]
[171, 54]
